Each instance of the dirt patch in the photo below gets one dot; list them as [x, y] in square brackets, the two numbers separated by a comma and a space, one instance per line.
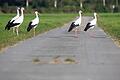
[56, 60]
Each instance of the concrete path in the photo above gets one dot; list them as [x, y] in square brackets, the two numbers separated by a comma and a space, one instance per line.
[96, 58]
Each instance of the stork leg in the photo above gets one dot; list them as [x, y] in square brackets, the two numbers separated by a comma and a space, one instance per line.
[92, 33]
[13, 29]
[34, 31]
[78, 30]
[17, 30]
[76, 34]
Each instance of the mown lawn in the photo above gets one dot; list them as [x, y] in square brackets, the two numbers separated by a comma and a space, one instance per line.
[110, 22]
[47, 22]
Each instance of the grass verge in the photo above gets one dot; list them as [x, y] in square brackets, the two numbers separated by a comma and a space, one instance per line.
[110, 22]
[47, 22]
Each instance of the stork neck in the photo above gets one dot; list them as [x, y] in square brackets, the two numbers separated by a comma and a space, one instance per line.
[18, 12]
[36, 15]
[22, 13]
[95, 17]
[80, 14]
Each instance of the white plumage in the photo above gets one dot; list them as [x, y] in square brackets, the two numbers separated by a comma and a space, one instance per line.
[19, 19]
[18, 14]
[78, 21]
[92, 23]
[33, 24]
[13, 19]
[17, 22]
[75, 24]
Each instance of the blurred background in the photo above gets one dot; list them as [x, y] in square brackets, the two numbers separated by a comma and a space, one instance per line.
[60, 6]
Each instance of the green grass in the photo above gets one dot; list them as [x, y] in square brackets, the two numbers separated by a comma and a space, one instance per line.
[110, 22]
[47, 22]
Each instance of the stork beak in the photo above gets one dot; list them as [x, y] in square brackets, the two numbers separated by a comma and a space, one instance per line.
[81, 12]
[97, 15]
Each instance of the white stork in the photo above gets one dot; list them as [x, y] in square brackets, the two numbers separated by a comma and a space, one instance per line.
[12, 20]
[75, 25]
[16, 23]
[92, 23]
[33, 24]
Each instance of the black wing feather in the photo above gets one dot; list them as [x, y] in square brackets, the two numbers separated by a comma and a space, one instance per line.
[14, 24]
[88, 26]
[30, 26]
[11, 24]
[6, 27]
[72, 26]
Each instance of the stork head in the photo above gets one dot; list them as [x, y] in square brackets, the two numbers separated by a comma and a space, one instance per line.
[95, 14]
[22, 8]
[36, 12]
[80, 12]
